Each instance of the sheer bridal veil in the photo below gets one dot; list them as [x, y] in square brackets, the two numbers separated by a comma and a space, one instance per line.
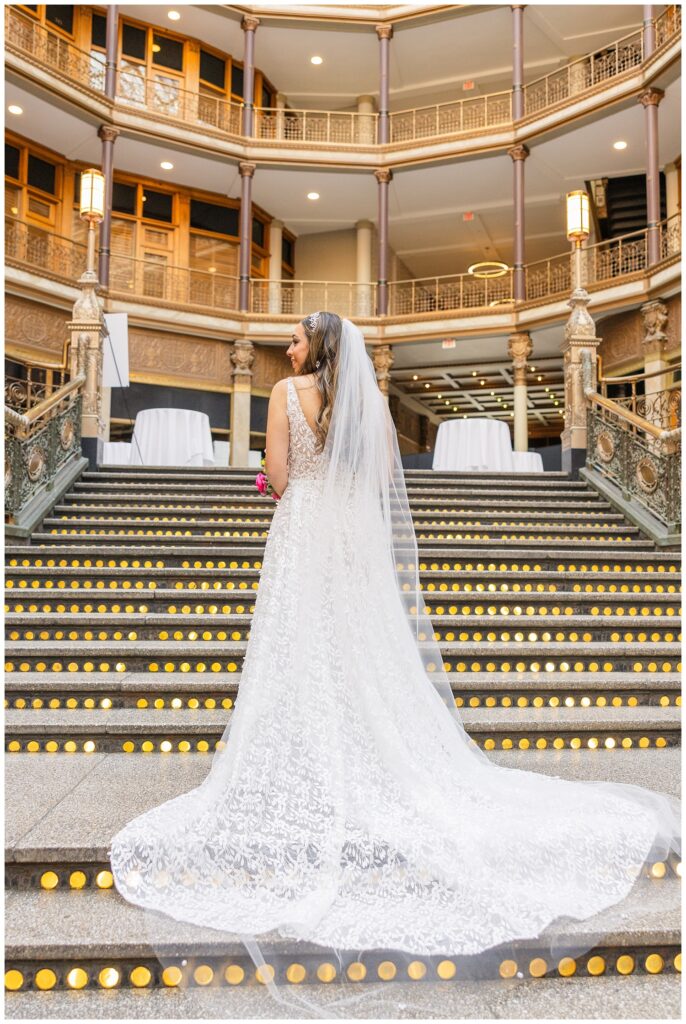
[349, 831]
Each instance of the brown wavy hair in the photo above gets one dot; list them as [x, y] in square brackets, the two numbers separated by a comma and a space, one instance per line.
[324, 344]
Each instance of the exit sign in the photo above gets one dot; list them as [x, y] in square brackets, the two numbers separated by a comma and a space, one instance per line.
[468, 215]
[448, 343]
[468, 85]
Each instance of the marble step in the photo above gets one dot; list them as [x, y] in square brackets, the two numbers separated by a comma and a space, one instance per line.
[237, 472]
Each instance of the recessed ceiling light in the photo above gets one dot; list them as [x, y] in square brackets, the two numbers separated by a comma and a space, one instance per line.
[620, 144]
[415, 377]
[15, 109]
[173, 15]
[474, 372]
[167, 165]
[316, 60]
[313, 195]
[427, 385]
[440, 396]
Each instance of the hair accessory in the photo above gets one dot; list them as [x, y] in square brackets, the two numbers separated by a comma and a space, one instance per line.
[317, 364]
[312, 322]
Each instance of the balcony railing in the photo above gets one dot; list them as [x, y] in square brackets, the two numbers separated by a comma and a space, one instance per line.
[163, 95]
[454, 118]
[550, 279]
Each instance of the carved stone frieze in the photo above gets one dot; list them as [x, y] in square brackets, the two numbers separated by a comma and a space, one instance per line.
[519, 348]
[34, 328]
[382, 357]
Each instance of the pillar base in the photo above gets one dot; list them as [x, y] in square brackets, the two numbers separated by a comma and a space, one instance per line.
[573, 459]
[92, 448]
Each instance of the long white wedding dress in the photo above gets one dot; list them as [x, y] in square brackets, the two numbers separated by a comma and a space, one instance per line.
[346, 807]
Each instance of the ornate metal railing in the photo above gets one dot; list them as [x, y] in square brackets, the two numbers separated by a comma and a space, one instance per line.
[648, 395]
[345, 128]
[640, 457]
[670, 236]
[453, 118]
[449, 292]
[163, 95]
[162, 282]
[298, 298]
[39, 443]
[53, 255]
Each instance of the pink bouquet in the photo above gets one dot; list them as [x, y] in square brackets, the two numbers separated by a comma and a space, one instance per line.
[264, 487]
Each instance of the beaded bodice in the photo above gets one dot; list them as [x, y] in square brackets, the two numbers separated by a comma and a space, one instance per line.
[304, 457]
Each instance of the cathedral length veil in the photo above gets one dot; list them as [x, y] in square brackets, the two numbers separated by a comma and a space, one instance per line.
[346, 811]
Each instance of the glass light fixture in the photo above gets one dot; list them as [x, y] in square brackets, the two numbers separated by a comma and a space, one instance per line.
[316, 60]
[167, 165]
[619, 144]
[15, 109]
[313, 195]
[92, 198]
[578, 216]
[173, 15]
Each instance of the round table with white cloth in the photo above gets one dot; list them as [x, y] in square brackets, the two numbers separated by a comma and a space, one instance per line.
[474, 445]
[116, 453]
[171, 437]
[527, 462]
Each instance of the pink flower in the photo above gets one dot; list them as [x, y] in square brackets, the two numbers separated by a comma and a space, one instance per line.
[261, 483]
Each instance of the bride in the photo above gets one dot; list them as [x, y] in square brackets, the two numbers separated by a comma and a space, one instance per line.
[346, 808]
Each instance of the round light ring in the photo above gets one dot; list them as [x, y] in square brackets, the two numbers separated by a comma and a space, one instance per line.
[313, 195]
[316, 60]
[488, 268]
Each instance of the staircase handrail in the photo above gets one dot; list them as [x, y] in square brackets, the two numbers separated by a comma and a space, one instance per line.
[27, 419]
[633, 418]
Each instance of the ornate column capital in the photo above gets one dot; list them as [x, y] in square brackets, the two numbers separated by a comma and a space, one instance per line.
[651, 96]
[518, 152]
[384, 31]
[249, 23]
[107, 133]
[246, 169]
[242, 358]
[382, 357]
[519, 348]
[655, 316]
[383, 174]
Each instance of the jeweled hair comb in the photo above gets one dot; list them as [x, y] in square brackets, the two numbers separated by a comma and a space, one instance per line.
[312, 322]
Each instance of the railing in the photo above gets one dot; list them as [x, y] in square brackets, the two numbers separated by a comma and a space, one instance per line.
[450, 292]
[52, 255]
[345, 128]
[670, 236]
[39, 444]
[163, 95]
[298, 298]
[453, 118]
[182, 286]
[647, 396]
[640, 457]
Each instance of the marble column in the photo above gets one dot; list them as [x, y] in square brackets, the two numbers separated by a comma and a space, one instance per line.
[648, 30]
[107, 135]
[382, 357]
[519, 348]
[242, 358]
[280, 101]
[518, 155]
[579, 335]
[517, 61]
[275, 265]
[363, 231]
[384, 32]
[86, 357]
[245, 235]
[654, 345]
[249, 25]
[384, 177]
[365, 122]
[111, 47]
[650, 99]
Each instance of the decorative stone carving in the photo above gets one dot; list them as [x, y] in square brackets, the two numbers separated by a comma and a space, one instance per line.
[246, 169]
[651, 96]
[249, 23]
[107, 133]
[579, 335]
[518, 152]
[519, 348]
[655, 318]
[242, 357]
[382, 356]
[383, 175]
[384, 31]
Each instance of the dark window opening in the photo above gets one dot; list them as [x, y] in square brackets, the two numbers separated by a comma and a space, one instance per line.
[61, 15]
[237, 80]
[123, 198]
[212, 69]
[168, 53]
[99, 31]
[267, 97]
[287, 251]
[157, 206]
[223, 220]
[258, 232]
[133, 42]
[41, 174]
[12, 155]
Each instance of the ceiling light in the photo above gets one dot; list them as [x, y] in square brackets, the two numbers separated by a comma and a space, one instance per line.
[14, 108]
[482, 383]
[166, 165]
[620, 144]
[427, 385]
[488, 268]
[316, 60]
[173, 15]
[474, 373]
[313, 195]
[440, 396]
[540, 377]
[415, 377]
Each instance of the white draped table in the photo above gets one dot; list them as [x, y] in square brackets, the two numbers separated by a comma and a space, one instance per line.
[474, 445]
[116, 453]
[527, 462]
[171, 437]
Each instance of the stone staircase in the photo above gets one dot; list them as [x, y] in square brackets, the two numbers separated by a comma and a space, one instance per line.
[127, 618]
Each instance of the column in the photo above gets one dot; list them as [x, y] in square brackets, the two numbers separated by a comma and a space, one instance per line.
[86, 352]
[275, 265]
[650, 99]
[654, 345]
[648, 30]
[365, 122]
[111, 45]
[672, 187]
[280, 116]
[363, 276]
[249, 25]
[245, 235]
[384, 32]
[579, 335]
[517, 61]
[519, 348]
[108, 135]
[242, 358]
[382, 357]
[384, 176]
[518, 155]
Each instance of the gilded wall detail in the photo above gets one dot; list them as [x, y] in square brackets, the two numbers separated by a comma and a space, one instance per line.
[33, 330]
[269, 366]
[622, 336]
[177, 359]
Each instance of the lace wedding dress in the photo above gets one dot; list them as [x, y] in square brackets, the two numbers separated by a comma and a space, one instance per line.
[346, 806]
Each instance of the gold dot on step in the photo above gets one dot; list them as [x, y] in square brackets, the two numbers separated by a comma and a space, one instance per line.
[203, 974]
[108, 977]
[295, 973]
[416, 970]
[446, 970]
[77, 978]
[140, 977]
[538, 967]
[566, 967]
[45, 979]
[171, 976]
[387, 970]
[264, 973]
[49, 880]
[13, 980]
[625, 964]
[326, 973]
[234, 974]
[596, 966]
[654, 963]
[104, 880]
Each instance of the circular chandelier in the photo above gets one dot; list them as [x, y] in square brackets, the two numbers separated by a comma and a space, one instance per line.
[488, 268]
